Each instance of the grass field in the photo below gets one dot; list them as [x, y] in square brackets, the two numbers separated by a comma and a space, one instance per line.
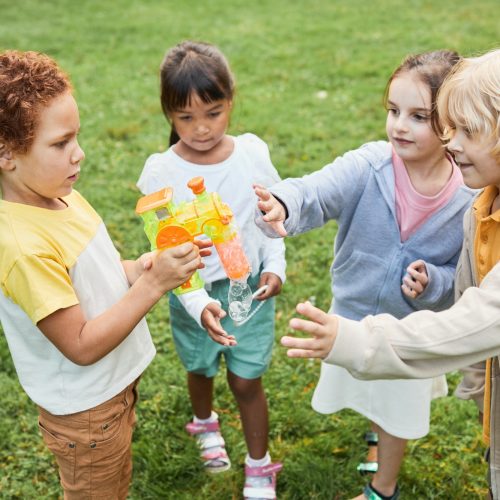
[283, 54]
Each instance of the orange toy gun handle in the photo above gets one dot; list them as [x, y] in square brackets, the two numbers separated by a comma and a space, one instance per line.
[172, 236]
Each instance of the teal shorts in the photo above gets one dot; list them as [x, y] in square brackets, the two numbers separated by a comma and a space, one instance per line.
[199, 354]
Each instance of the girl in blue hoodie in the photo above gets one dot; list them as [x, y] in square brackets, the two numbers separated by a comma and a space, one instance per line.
[399, 206]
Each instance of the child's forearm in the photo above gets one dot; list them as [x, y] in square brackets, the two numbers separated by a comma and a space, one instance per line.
[101, 335]
[86, 341]
[133, 269]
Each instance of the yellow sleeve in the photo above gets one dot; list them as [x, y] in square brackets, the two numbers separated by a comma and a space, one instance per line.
[40, 286]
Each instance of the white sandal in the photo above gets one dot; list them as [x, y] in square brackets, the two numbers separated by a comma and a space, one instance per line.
[260, 482]
[212, 445]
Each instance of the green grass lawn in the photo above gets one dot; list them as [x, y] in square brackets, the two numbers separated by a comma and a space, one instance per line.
[283, 54]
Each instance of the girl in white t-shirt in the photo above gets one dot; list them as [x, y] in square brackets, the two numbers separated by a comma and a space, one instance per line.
[197, 98]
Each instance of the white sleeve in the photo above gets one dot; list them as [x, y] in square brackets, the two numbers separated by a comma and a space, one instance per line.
[273, 258]
[195, 302]
[425, 343]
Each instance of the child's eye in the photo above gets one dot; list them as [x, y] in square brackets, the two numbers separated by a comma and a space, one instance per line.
[214, 114]
[420, 118]
[184, 118]
[61, 144]
[392, 111]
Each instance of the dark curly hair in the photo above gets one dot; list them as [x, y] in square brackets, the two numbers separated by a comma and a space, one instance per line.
[28, 81]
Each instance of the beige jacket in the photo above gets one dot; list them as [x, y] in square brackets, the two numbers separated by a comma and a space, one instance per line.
[425, 343]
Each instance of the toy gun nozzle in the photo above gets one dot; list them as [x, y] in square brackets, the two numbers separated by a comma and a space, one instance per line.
[197, 185]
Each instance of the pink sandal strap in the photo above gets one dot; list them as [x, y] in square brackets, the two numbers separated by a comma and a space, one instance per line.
[266, 470]
[194, 428]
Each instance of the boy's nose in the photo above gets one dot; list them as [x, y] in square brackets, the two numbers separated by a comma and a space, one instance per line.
[78, 155]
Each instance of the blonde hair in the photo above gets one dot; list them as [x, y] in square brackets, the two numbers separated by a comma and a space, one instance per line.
[470, 99]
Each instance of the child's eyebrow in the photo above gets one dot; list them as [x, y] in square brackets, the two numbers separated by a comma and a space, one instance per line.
[66, 135]
[427, 110]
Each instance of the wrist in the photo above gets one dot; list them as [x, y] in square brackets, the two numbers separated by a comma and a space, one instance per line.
[149, 288]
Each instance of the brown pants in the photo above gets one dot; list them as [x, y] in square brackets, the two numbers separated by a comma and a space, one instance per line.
[93, 447]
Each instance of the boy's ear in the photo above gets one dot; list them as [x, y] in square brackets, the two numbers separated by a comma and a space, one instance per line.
[6, 158]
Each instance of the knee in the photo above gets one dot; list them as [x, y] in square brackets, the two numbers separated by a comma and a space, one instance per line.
[245, 390]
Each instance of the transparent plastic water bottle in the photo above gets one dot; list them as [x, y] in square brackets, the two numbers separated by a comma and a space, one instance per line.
[240, 299]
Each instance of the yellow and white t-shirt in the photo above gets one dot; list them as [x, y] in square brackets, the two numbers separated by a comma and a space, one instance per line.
[52, 259]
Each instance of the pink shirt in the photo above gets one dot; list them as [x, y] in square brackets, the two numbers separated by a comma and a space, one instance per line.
[413, 208]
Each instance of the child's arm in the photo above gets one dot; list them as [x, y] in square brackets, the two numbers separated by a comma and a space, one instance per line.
[311, 201]
[86, 341]
[134, 268]
[421, 345]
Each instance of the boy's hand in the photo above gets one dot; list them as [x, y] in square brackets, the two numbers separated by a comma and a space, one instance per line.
[145, 261]
[273, 283]
[204, 246]
[172, 267]
[322, 328]
[415, 280]
[210, 319]
[275, 213]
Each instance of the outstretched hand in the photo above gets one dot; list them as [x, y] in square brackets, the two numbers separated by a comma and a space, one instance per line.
[275, 213]
[322, 327]
[210, 319]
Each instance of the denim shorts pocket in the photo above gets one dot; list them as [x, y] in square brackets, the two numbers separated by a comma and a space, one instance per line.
[64, 450]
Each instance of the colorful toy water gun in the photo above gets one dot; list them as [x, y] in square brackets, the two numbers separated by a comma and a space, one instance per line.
[167, 225]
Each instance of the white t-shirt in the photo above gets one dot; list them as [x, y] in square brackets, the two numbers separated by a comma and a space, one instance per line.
[232, 179]
[53, 259]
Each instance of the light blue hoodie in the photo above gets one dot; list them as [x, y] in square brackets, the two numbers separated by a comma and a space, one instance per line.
[370, 261]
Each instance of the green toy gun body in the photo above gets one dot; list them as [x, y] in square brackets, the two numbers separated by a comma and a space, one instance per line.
[167, 224]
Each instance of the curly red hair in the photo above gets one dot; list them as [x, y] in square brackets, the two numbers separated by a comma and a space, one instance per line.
[28, 81]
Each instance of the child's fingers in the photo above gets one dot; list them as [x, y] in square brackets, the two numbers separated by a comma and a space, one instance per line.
[223, 340]
[261, 192]
[182, 250]
[271, 209]
[302, 353]
[411, 283]
[409, 292]
[274, 212]
[280, 229]
[300, 348]
[420, 279]
[201, 244]
[312, 312]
